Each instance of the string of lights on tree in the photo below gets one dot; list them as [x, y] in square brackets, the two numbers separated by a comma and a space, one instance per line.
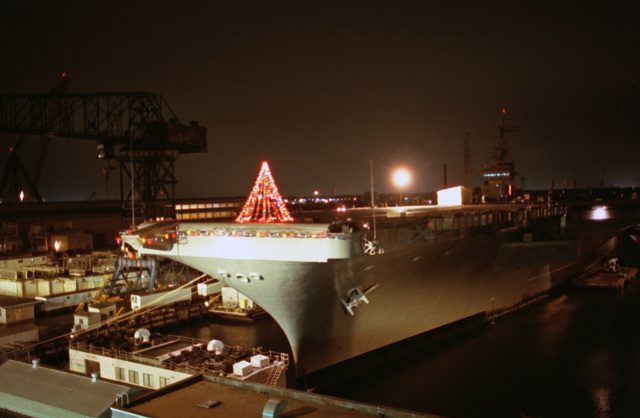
[264, 203]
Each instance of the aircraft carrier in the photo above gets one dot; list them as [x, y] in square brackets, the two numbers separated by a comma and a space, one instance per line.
[339, 290]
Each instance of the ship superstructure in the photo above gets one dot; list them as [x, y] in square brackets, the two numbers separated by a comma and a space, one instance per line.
[499, 176]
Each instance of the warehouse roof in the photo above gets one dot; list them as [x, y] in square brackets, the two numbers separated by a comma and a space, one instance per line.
[40, 391]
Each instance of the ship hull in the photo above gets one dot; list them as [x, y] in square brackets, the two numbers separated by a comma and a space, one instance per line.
[334, 302]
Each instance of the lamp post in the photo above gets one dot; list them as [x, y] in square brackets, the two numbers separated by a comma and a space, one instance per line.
[401, 177]
[373, 202]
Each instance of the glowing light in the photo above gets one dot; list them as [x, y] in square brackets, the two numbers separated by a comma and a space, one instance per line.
[56, 245]
[264, 203]
[600, 213]
[504, 174]
[401, 177]
[21, 195]
[450, 197]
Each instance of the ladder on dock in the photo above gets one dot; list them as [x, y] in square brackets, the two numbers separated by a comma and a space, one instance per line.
[284, 361]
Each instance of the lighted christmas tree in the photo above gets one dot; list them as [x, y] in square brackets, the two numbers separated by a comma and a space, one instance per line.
[264, 203]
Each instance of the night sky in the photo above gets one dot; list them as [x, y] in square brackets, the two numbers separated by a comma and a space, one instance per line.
[317, 88]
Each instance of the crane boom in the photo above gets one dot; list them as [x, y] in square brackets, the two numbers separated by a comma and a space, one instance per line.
[137, 129]
[115, 118]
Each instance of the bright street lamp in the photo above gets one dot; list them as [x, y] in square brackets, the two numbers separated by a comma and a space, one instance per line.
[401, 178]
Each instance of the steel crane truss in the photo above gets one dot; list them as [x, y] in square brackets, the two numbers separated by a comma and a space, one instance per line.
[113, 117]
[128, 127]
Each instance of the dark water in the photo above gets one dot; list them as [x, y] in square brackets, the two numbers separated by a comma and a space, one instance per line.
[575, 354]
[263, 333]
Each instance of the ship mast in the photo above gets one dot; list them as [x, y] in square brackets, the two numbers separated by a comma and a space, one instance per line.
[499, 175]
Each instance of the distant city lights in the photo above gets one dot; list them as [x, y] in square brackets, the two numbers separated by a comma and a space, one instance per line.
[303, 200]
[504, 174]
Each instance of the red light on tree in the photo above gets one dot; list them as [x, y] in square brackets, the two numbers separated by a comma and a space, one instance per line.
[264, 203]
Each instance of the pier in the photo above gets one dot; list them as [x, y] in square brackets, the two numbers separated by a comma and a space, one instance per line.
[609, 276]
[171, 316]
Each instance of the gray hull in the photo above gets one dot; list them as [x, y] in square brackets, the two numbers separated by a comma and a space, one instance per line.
[334, 302]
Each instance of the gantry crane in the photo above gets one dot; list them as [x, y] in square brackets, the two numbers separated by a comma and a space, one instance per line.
[18, 183]
[130, 129]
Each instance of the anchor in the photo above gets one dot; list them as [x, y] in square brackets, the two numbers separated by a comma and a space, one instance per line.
[355, 297]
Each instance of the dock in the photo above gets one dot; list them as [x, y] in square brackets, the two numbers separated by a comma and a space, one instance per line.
[212, 396]
[611, 276]
[171, 316]
[231, 304]
[238, 314]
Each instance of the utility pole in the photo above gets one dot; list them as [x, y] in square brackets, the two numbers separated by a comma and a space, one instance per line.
[468, 173]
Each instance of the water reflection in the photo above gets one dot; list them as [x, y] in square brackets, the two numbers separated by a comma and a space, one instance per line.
[601, 400]
[263, 332]
[575, 354]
